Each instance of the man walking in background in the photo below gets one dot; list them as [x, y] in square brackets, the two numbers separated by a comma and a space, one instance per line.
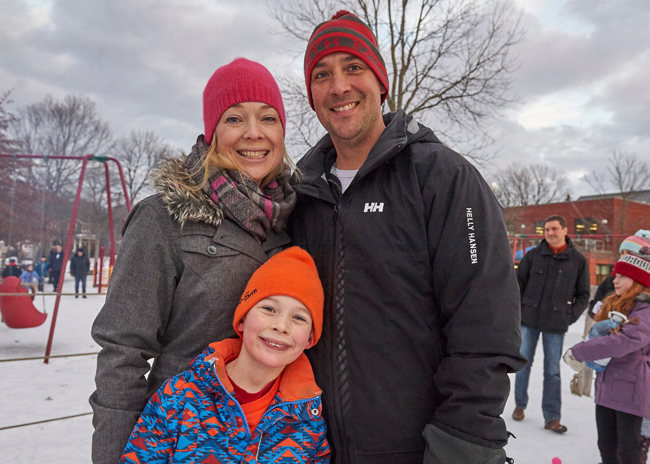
[554, 285]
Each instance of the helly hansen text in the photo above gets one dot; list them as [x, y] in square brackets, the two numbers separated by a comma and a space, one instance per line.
[473, 254]
[373, 207]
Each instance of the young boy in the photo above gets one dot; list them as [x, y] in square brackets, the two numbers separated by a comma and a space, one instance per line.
[252, 399]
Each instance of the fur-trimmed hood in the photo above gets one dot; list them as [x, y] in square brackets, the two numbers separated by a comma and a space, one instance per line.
[178, 191]
[643, 298]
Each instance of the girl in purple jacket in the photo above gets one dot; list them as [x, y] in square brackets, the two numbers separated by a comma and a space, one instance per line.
[623, 388]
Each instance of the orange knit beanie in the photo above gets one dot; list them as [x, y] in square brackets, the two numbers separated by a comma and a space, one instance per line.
[291, 272]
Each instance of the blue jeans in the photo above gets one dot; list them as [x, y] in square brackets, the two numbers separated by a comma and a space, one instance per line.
[552, 395]
[76, 284]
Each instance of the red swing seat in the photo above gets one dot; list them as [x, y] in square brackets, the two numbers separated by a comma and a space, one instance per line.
[18, 312]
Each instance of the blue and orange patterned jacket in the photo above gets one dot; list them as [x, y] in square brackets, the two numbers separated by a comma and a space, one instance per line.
[195, 418]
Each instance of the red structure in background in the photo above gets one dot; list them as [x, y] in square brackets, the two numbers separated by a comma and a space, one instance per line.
[596, 225]
[73, 220]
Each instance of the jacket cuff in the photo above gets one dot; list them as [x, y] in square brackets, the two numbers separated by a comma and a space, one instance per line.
[443, 448]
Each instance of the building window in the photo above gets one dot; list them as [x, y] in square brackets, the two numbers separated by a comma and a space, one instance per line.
[603, 271]
[586, 226]
[539, 227]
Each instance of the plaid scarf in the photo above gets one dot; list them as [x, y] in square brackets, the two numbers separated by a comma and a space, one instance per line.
[241, 199]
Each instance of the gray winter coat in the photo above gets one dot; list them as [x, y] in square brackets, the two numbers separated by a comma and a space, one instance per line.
[179, 274]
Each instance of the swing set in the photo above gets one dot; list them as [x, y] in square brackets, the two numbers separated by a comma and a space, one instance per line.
[16, 307]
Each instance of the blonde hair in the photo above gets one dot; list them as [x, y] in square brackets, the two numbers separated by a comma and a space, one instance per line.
[214, 161]
[622, 304]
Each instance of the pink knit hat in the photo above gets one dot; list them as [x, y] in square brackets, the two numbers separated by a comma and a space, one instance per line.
[240, 81]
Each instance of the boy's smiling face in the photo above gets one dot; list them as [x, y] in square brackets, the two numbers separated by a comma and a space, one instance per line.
[275, 332]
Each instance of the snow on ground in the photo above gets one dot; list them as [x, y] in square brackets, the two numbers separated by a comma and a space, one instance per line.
[33, 391]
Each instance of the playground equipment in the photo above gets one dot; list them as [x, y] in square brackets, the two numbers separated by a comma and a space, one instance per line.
[66, 249]
[18, 312]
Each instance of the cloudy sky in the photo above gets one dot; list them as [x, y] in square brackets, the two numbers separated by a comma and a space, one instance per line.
[581, 78]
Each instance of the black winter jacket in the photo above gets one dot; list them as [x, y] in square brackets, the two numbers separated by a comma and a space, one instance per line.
[11, 270]
[554, 288]
[79, 265]
[604, 289]
[421, 322]
[56, 260]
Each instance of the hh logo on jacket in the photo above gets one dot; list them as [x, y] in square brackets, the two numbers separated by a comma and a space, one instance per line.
[373, 207]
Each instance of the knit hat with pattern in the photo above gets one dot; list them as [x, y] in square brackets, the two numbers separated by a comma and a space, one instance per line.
[635, 242]
[291, 272]
[635, 266]
[238, 82]
[345, 32]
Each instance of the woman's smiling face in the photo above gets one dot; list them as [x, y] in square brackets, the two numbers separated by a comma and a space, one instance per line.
[250, 134]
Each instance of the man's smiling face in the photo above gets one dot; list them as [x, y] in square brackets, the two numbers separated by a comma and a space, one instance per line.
[347, 98]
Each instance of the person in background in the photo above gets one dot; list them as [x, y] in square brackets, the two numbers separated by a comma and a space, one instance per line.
[255, 394]
[42, 269]
[219, 214]
[554, 285]
[411, 246]
[631, 244]
[56, 264]
[79, 268]
[30, 278]
[12, 269]
[622, 389]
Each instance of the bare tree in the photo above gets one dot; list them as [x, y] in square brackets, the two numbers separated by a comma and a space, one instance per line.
[535, 184]
[69, 128]
[626, 174]
[450, 62]
[7, 144]
[140, 153]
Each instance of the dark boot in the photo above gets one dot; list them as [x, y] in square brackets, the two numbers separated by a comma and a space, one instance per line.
[645, 444]
[555, 426]
[518, 414]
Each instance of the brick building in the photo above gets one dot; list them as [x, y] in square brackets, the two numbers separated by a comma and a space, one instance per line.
[597, 224]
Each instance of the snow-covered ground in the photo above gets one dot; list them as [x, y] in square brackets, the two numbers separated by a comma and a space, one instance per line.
[32, 391]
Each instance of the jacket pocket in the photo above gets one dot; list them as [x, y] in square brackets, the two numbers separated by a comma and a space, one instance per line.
[204, 245]
[622, 384]
[534, 288]
[203, 255]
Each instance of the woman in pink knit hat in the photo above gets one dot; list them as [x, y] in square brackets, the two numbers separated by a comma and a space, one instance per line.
[189, 250]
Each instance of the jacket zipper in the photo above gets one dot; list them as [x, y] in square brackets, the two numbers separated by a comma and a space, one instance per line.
[270, 408]
[338, 413]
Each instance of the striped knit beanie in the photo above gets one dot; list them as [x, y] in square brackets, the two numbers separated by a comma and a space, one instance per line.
[291, 272]
[345, 32]
[635, 266]
[238, 82]
[635, 242]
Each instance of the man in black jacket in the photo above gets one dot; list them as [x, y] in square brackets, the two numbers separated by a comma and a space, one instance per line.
[79, 268]
[421, 305]
[56, 263]
[554, 284]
